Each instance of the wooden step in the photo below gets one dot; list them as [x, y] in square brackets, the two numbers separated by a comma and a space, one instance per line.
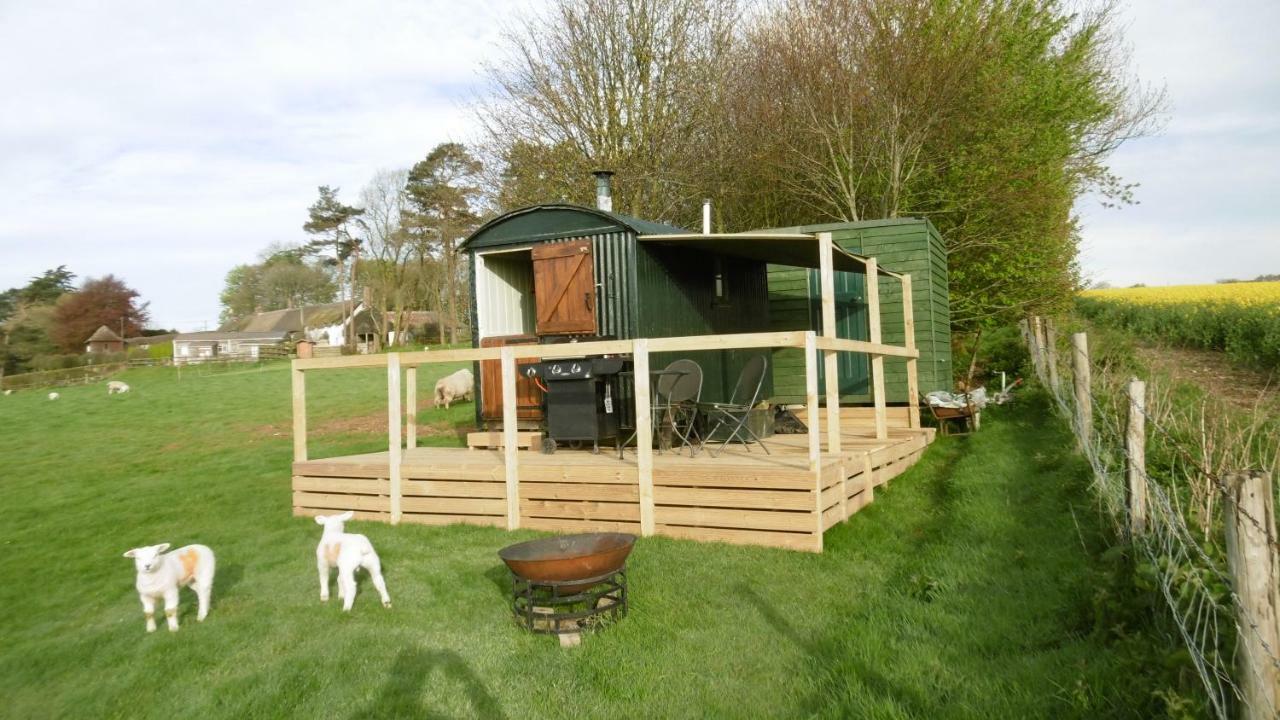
[526, 440]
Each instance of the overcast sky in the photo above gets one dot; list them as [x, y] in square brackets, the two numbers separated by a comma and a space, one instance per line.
[166, 142]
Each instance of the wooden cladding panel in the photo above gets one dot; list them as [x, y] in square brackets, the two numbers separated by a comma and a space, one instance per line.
[564, 288]
[528, 395]
[563, 525]
[579, 510]
[731, 498]
[790, 540]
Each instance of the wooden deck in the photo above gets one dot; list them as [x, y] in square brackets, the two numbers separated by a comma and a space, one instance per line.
[739, 497]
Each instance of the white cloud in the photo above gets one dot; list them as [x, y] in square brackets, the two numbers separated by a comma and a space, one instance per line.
[1209, 182]
[167, 142]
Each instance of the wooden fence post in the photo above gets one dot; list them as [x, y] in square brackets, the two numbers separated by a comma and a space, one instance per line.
[411, 407]
[644, 435]
[1255, 573]
[1084, 397]
[1051, 355]
[1025, 326]
[877, 361]
[1135, 450]
[393, 432]
[299, 415]
[510, 436]
[1037, 348]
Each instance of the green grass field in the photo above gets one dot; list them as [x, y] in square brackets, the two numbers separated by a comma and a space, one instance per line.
[967, 590]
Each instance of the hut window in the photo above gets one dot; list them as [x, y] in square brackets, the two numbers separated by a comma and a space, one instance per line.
[721, 286]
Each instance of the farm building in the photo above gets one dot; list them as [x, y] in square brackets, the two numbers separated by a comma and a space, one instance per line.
[211, 345]
[906, 245]
[325, 324]
[104, 340]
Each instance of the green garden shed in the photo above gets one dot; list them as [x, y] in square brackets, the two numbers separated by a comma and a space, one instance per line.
[904, 245]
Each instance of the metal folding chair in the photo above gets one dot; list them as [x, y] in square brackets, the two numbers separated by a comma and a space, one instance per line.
[678, 392]
[735, 413]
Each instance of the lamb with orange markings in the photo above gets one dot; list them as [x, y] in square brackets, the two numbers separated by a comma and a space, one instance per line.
[161, 574]
[348, 552]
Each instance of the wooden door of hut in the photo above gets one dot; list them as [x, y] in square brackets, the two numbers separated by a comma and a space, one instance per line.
[528, 395]
[564, 284]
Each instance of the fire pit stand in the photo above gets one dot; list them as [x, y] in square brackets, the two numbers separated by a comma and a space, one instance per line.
[564, 607]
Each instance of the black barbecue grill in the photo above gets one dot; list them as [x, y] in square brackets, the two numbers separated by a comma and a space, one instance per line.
[582, 401]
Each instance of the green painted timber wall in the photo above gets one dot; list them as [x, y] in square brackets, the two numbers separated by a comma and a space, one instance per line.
[906, 245]
[676, 290]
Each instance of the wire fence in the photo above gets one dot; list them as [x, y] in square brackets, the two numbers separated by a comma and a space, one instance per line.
[1185, 494]
[186, 368]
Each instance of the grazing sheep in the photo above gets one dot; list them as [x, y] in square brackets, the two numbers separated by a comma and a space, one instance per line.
[458, 386]
[160, 576]
[54, 396]
[8, 392]
[347, 552]
[115, 386]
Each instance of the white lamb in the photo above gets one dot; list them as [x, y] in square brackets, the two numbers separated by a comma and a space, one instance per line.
[160, 576]
[458, 386]
[115, 386]
[347, 552]
[54, 396]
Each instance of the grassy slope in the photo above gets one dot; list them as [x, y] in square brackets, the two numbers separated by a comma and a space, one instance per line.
[962, 592]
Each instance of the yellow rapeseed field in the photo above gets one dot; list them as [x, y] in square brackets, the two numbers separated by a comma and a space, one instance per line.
[1242, 293]
[1242, 319]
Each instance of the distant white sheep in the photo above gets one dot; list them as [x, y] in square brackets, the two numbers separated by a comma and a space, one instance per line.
[161, 575]
[54, 396]
[8, 392]
[458, 386]
[115, 386]
[348, 552]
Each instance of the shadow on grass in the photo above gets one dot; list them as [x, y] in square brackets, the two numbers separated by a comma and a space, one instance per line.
[501, 579]
[824, 654]
[402, 695]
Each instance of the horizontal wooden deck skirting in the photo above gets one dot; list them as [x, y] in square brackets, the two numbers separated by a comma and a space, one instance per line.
[738, 497]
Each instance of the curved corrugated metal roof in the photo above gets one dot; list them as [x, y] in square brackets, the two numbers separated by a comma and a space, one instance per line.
[557, 220]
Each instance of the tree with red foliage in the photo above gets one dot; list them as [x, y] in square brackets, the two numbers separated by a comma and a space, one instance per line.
[99, 301]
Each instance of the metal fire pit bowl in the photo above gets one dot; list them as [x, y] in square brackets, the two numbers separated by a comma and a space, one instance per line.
[571, 583]
[565, 558]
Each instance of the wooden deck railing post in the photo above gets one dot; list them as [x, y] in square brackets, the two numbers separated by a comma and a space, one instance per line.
[1250, 526]
[877, 361]
[510, 436]
[644, 435]
[1084, 398]
[811, 397]
[411, 407]
[830, 361]
[299, 414]
[815, 444]
[393, 432]
[909, 340]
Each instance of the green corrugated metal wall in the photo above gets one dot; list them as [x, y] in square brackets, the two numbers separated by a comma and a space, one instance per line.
[910, 245]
